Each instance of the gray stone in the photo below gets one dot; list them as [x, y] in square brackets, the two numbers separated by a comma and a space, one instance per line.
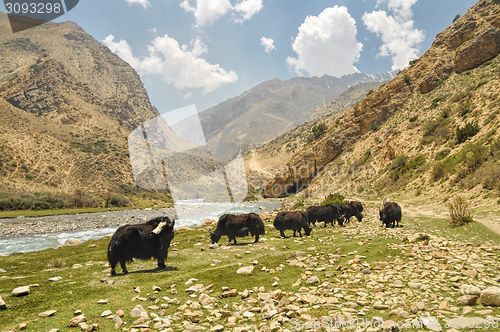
[70, 242]
[313, 280]
[467, 299]
[21, 291]
[106, 313]
[3, 305]
[490, 296]
[245, 270]
[469, 290]
[47, 313]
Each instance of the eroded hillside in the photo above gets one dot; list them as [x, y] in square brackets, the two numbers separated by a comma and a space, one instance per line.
[405, 134]
[67, 105]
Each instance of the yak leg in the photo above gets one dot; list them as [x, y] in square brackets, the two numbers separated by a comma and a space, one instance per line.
[124, 267]
[300, 233]
[282, 233]
[256, 238]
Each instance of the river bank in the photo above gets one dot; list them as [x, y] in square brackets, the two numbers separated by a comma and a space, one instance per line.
[21, 235]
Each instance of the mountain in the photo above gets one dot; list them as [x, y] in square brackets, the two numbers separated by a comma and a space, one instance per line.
[346, 99]
[269, 109]
[432, 129]
[67, 106]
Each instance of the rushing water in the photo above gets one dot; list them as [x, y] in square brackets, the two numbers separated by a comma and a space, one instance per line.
[189, 213]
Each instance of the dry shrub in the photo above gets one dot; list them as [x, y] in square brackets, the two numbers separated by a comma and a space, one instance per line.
[56, 263]
[460, 211]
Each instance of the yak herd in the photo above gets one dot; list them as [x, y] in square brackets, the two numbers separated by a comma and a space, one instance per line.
[152, 239]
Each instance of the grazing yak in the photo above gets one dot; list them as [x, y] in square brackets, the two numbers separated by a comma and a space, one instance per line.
[358, 205]
[151, 239]
[238, 226]
[350, 210]
[327, 213]
[295, 221]
[390, 214]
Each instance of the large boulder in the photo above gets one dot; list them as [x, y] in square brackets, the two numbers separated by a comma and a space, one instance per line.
[490, 296]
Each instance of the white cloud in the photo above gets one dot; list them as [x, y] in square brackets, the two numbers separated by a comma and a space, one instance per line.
[154, 30]
[123, 49]
[327, 44]
[144, 3]
[400, 40]
[180, 66]
[248, 8]
[207, 11]
[268, 43]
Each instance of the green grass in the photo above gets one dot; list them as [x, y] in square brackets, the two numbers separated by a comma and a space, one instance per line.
[81, 288]
[41, 213]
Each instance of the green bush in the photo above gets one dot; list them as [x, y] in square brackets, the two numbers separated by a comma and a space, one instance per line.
[456, 18]
[334, 199]
[375, 125]
[442, 154]
[445, 113]
[114, 199]
[437, 131]
[414, 118]
[369, 92]
[464, 108]
[469, 130]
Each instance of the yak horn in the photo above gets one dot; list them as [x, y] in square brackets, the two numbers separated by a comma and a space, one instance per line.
[159, 228]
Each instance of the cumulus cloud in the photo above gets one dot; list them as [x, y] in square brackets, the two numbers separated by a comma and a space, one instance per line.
[327, 44]
[143, 3]
[400, 40]
[154, 30]
[248, 8]
[268, 43]
[207, 11]
[180, 66]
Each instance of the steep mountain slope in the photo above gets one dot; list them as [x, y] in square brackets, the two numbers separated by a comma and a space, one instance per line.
[346, 99]
[67, 105]
[269, 110]
[412, 129]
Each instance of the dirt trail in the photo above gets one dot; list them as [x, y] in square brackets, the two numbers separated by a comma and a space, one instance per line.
[440, 211]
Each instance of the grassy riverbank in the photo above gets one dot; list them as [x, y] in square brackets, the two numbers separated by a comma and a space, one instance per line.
[336, 256]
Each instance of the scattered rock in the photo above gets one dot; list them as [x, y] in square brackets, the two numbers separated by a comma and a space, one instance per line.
[70, 242]
[469, 290]
[47, 313]
[21, 291]
[245, 270]
[490, 296]
[467, 299]
[3, 305]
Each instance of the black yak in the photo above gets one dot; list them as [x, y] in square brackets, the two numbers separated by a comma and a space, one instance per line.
[349, 211]
[151, 239]
[327, 213]
[238, 226]
[390, 214]
[295, 221]
[357, 205]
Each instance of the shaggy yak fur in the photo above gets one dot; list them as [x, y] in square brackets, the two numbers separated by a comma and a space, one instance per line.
[295, 221]
[151, 239]
[238, 226]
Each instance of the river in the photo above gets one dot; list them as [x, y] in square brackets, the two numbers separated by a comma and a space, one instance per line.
[189, 213]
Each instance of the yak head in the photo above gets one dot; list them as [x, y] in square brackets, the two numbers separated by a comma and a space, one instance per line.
[164, 225]
[381, 214]
[214, 237]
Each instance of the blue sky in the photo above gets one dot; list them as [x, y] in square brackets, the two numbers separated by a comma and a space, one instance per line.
[203, 52]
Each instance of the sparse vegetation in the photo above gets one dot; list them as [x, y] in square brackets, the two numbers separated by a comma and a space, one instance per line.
[436, 131]
[413, 118]
[469, 130]
[334, 199]
[460, 211]
[375, 125]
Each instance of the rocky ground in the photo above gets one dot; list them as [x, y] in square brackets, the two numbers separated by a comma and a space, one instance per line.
[435, 283]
